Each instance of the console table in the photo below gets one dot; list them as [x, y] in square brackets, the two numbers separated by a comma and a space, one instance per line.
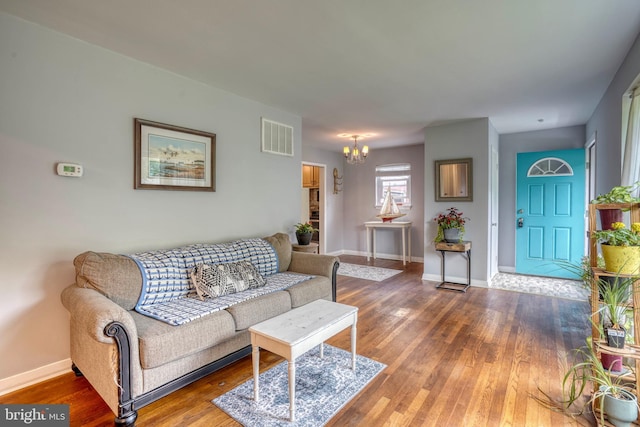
[405, 226]
[464, 249]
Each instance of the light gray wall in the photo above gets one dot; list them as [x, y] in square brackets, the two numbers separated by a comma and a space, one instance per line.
[606, 122]
[510, 145]
[453, 141]
[334, 207]
[66, 100]
[359, 202]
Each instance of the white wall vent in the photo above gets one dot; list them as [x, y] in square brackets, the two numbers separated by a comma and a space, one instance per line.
[277, 138]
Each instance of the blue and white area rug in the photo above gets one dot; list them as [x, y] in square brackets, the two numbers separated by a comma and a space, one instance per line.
[377, 274]
[323, 387]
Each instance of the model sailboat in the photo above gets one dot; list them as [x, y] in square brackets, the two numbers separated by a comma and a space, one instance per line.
[389, 210]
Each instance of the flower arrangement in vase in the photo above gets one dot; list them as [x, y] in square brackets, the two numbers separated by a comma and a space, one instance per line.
[450, 226]
[620, 248]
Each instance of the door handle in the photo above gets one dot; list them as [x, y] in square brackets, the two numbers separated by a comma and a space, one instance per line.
[520, 222]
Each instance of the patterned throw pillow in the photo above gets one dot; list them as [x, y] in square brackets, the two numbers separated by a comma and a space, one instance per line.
[214, 280]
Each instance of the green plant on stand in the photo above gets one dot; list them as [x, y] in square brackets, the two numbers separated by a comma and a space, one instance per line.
[610, 391]
[620, 248]
[451, 221]
[304, 232]
[617, 195]
[620, 194]
[615, 306]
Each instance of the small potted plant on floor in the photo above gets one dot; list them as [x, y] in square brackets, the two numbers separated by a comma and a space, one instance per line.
[304, 232]
[612, 396]
[620, 194]
[620, 248]
[450, 226]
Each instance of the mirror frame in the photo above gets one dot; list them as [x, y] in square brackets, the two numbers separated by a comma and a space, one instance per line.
[441, 197]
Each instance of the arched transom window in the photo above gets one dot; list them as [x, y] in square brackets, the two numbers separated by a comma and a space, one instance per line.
[550, 166]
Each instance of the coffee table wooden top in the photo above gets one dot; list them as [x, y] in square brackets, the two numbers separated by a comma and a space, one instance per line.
[303, 322]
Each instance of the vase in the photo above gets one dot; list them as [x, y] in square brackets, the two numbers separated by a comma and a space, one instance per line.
[611, 362]
[621, 259]
[621, 412]
[608, 217]
[304, 238]
[451, 235]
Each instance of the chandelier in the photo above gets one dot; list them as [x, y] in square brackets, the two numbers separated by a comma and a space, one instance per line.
[354, 155]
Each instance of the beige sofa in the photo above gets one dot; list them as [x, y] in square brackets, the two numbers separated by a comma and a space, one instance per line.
[132, 360]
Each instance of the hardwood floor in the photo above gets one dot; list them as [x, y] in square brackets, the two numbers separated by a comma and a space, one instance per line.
[454, 359]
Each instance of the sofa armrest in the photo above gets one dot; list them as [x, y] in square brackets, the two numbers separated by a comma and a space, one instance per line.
[308, 263]
[95, 312]
[317, 265]
[104, 346]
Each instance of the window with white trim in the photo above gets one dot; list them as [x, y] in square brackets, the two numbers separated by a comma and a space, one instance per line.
[550, 166]
[397, 179]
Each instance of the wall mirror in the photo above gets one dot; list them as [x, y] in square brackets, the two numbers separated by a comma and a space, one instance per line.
[454, 180]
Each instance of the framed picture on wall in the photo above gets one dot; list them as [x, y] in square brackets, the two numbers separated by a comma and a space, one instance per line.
[453, 180]
[169, 157]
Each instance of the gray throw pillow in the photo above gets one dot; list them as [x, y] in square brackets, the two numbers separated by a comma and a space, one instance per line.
[214, 280]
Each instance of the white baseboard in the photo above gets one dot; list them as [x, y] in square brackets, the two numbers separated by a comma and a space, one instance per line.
[379, 255]
[505, 269]
[25, 379]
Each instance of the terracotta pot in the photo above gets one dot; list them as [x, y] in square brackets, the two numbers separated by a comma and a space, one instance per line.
[621, 259]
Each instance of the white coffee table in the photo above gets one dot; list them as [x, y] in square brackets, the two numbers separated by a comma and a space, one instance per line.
[294, 333]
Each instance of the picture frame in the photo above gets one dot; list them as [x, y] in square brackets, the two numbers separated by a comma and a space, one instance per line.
[454, 180]
[169, 157]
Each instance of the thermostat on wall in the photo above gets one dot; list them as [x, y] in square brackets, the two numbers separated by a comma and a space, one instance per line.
[69, 169]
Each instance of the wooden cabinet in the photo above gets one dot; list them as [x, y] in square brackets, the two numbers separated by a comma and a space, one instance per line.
[630, 351]
[310, 176]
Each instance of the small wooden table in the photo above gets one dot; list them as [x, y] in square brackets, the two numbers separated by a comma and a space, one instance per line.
[311, 248]
[405, 226]
[464, 249]
[295, 332]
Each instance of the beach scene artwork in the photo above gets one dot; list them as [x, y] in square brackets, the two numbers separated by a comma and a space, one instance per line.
[175, 158]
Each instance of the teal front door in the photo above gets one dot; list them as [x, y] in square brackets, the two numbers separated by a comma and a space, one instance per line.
[550, 206]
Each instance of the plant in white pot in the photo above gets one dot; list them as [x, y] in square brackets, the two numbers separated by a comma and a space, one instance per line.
[612, 394]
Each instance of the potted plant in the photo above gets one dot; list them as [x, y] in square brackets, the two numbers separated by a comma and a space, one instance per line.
[620, 194]
[450, 226]
[612, 394]
[304, 232]
[615, 305]
[620, 248]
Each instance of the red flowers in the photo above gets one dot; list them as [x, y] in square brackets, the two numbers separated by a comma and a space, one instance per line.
[452, 219]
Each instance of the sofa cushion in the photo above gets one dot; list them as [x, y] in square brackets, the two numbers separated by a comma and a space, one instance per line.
[115, 276]
[161, 343]
[256, 310]
[282, 244]
[214, 280]
[310, 290]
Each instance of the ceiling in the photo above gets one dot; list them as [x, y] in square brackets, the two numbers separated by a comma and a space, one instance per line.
[373, 66]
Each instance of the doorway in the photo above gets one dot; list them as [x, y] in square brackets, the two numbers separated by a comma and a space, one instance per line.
[313, 207]
[550, 212]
